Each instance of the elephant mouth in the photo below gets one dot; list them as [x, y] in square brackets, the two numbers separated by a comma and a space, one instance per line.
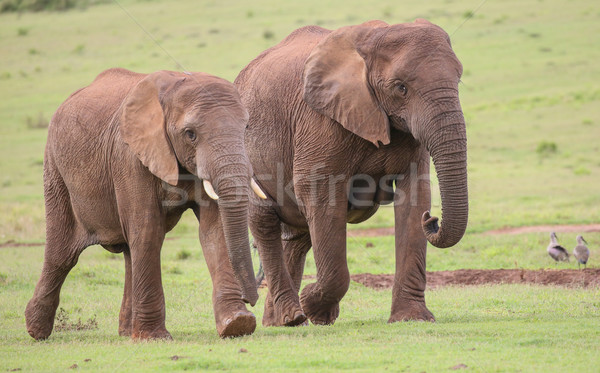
[399, 123]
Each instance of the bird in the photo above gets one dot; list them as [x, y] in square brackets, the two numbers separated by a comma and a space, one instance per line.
[581, 252]
[557, 252]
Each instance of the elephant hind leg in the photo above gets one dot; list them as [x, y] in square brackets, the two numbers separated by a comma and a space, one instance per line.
[125, 314]
[296, 245]
[65, 240]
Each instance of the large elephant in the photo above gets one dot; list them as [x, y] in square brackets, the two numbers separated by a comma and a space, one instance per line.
[336, 117]
[125, 157]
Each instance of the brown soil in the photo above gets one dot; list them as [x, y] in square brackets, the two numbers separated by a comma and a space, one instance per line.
[581, 228]
[564, 277]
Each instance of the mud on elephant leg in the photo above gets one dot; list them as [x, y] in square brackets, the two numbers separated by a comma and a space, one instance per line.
[282, 307]
[125, 313]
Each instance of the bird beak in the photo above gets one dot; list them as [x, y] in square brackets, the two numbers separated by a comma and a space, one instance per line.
[583, 239]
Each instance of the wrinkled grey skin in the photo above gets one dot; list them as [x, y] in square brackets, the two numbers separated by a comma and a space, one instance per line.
[330, 112]
[112, 148]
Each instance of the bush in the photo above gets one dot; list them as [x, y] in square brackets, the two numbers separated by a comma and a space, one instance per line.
[44, 5]
[40, 122]
[546, 148]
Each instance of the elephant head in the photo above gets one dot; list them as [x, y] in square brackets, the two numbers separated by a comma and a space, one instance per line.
[374, 77]
[196, 122]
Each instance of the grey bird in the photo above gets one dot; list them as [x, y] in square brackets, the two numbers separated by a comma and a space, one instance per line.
[557, 252]
[581, 252]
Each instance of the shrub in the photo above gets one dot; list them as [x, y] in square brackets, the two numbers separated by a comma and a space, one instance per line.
[63, 322]
[40, 122]
[44, 5]
[546, 148]
[268, 34]
[183, 254]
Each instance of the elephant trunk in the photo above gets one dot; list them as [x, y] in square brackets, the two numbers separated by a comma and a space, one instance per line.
[232, 186]
[448, 148]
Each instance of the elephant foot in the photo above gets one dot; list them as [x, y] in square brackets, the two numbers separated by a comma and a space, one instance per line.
[146, 333]
[411, 311]
[39, 319]
[282, 313]
[125, 331]
[318, 310]
[242, 323]
[125, 324]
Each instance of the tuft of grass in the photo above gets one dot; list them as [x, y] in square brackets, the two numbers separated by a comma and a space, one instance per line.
[23, 31]
[268, 34]
[79, 49]
[581, 170]
[546, 148]
[387, 12]
[183, 254]
[63, 322]
[38, 123]
[468, 14]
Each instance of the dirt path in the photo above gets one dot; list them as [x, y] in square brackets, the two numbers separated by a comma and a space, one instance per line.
[563, 277]
[579, 228]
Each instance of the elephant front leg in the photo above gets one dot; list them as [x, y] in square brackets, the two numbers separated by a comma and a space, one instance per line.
[320, 300]
[412, 198]
[282, 305]
[147, 297]
[231, 316]
[295, 246]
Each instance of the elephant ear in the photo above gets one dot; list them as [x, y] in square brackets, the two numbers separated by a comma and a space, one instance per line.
[143, 129]
[336, 85]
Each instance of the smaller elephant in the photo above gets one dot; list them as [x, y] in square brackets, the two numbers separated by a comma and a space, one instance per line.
[125, 157]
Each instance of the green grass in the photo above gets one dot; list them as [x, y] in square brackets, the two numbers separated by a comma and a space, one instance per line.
[529, 80]
[532, 105]
[488, 328]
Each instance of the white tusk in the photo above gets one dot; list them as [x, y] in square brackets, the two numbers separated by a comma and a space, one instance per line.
[208, 188]
[257, 189]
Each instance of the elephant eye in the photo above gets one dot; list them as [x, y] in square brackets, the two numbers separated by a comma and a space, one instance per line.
[402, 88]
[190, 134]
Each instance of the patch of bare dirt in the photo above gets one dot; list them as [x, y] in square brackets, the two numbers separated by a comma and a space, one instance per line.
[589, 277]
[579, 228]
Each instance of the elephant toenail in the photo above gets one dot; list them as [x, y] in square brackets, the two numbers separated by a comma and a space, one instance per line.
[286, 319]
[227, 322]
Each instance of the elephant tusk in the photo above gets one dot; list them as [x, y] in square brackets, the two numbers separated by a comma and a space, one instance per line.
[208, 188]
[257, 189]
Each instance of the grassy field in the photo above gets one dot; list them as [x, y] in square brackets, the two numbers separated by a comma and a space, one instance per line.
[487, 328]
[531, 98]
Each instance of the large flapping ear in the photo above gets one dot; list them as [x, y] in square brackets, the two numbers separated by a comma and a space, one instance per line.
[336, 85]
[143, 129]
